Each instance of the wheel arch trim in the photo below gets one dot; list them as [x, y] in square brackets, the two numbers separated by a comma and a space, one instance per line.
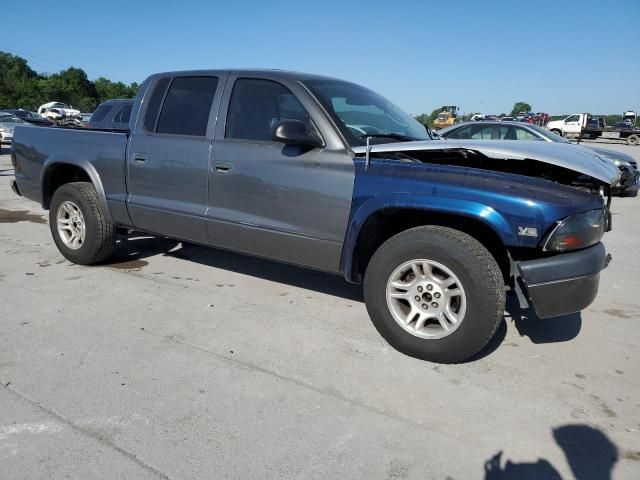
[70, 159]
[467, 209]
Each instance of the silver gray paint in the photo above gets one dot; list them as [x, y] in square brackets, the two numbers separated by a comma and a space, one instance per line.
[276, 201]
[607, 152]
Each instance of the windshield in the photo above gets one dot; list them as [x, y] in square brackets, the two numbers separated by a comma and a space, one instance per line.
[549, 135]
[359, 112]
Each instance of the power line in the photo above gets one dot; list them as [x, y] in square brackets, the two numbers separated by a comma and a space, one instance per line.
[41, 60]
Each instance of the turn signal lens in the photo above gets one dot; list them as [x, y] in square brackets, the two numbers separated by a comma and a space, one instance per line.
[577, 231]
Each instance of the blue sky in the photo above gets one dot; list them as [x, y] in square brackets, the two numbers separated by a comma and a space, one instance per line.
[560, 56]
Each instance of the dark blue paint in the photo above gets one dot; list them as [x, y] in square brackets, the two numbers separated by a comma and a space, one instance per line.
[502, 201]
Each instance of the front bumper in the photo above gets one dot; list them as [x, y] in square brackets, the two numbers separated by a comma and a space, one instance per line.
[564, 283]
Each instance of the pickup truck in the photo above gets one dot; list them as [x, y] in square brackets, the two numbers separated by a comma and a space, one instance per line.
[328, 175]
[576, 125]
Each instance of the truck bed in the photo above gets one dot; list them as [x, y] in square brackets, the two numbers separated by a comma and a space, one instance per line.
[102, 154]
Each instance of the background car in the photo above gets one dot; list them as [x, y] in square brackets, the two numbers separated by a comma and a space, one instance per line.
[85, 118]
[7, 124]
[630, 177]
[60, 108]
[112, 114]
[30, 117]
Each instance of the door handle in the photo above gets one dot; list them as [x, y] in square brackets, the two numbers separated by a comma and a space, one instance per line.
[139, 158]
[223, 167]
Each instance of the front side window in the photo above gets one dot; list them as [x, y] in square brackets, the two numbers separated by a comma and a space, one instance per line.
[461, 133]
[257, 106]
[543, 132]
[187, 106]
[573, 118]
[522, 134]
[359, 113]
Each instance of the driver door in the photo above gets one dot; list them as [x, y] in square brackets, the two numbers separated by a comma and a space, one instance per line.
[266, 198]
[572, 125]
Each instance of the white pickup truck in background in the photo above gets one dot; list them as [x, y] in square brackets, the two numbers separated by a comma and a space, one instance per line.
[576, 123]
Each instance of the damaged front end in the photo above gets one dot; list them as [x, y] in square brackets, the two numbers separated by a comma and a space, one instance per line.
[565, 164]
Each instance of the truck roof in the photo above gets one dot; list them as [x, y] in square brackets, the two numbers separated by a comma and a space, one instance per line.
[270, 73]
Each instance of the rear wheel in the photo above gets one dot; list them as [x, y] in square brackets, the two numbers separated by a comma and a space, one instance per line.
[633, 139]
[78, 225]
[435, 293]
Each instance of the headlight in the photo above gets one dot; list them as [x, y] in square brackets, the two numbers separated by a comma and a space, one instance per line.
[577, 231]
[620, 163]
[4, 130]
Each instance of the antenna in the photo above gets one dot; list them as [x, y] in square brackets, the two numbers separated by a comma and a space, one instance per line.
[367, 154]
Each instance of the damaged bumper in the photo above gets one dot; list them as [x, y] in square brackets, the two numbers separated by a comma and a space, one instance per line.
[564, 283]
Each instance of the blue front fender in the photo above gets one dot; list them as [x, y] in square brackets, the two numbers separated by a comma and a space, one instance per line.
[445, 205]
[503, 202]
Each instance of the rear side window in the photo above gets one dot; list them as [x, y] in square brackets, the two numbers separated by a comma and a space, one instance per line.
[118, 116]
[187, 106]
[126, 114]
[154, 104]
[257, 106]
[101, 112]
[123, 115]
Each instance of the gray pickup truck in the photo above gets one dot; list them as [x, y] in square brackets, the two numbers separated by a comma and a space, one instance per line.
[329, 175]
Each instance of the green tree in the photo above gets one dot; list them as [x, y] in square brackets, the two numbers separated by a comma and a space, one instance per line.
[106, 89]
[520, 107]
[22, 87]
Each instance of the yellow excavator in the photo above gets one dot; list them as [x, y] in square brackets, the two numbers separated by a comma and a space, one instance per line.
[447, 117]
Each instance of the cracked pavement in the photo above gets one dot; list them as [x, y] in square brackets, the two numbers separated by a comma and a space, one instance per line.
[176, 361]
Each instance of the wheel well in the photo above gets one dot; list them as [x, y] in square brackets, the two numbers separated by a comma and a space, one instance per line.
[59, 175]
[385, 224]
[556, 131]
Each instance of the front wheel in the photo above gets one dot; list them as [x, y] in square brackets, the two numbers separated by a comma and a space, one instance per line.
[435, 293]
[78, 225]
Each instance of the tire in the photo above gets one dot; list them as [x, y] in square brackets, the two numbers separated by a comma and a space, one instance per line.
[633, 139]
[99, 240]
[465, 258]
[557, 132]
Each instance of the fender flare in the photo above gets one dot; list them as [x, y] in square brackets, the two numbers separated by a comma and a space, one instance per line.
[447, 205]
[86, 166]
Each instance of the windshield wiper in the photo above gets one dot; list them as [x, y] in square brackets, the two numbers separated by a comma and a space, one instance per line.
[396, 136]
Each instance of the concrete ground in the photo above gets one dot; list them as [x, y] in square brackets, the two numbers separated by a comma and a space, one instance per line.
[176, 361]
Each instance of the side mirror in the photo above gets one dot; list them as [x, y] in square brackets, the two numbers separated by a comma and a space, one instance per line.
[294, 132]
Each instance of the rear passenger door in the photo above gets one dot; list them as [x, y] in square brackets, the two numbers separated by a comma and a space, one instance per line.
[168, 156]
[280, 201]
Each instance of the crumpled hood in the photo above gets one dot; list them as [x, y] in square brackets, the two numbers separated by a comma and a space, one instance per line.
[569, 156]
